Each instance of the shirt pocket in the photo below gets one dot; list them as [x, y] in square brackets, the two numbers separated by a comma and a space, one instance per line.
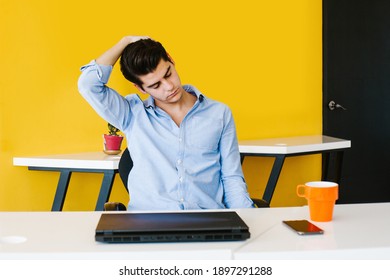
[205, 133]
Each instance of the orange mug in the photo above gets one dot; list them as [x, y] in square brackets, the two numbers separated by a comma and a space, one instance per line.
[321, 197]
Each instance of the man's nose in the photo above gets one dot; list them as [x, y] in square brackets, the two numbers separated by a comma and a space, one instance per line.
[168, 85]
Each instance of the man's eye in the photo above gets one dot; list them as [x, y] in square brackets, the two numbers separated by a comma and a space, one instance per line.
[168, 75]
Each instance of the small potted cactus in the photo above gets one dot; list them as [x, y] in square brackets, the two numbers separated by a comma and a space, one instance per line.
[112, 141]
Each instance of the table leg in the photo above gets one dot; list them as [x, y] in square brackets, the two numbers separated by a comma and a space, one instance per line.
[335, 161]
[325, 166]
[105, 189]
[338, 165]
[62, 188]
[273, 179]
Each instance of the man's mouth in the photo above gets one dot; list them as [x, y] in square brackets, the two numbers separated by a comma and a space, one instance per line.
[173, 93]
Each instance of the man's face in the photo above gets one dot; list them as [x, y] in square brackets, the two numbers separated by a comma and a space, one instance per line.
[163, 84]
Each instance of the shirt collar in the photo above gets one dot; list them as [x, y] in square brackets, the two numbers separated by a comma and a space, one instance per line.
[149, 103]
[193, 90]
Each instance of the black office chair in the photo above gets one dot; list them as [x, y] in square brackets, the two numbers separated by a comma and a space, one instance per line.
[124, 167]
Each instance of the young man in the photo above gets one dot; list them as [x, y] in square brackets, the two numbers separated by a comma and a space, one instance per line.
[183, 144]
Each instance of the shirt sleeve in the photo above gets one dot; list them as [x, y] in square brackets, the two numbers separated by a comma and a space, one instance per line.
[108, 103]
[235, 188]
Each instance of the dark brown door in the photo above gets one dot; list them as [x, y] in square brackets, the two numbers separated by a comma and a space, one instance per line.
[356, 85]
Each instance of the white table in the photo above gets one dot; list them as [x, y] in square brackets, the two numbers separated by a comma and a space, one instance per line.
[71, 235]
[280, 148]
[359, 231]
[66, 164]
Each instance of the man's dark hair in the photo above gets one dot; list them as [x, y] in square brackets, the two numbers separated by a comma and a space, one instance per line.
[141, 58]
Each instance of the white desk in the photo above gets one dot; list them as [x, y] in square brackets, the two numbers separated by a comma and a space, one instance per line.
[359, 231]
[280, 148]
[98, 162]
[71, 235]
[92, 162]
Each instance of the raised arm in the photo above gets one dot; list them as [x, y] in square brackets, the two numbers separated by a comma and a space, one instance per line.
[111, 56]
[108, 103]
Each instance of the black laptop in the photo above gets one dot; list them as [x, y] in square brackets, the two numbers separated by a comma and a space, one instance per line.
[171, 227]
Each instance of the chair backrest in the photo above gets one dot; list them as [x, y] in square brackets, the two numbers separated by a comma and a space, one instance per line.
[124, 167]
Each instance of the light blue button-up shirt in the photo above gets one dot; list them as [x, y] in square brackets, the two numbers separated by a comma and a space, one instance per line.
[192, 166]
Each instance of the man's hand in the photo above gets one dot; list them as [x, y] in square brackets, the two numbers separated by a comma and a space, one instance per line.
[131, 39]
[111, 56]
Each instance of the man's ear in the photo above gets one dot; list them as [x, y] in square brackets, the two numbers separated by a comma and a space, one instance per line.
[140, 88]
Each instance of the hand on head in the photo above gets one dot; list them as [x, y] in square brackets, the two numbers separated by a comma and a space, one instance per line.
[131, 39]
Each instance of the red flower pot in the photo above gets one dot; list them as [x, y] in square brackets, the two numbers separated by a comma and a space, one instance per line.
[112, 143]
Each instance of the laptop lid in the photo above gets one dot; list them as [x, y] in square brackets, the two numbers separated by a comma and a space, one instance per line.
[171, 227]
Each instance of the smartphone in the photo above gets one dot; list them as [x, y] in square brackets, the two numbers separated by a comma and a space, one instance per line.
[303, 227]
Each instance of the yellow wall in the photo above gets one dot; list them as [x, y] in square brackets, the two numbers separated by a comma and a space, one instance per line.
[262, 58]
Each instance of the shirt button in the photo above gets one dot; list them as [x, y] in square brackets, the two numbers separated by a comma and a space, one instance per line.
[179, 161]
[180, 139]
[181, 179]
[182, 200]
